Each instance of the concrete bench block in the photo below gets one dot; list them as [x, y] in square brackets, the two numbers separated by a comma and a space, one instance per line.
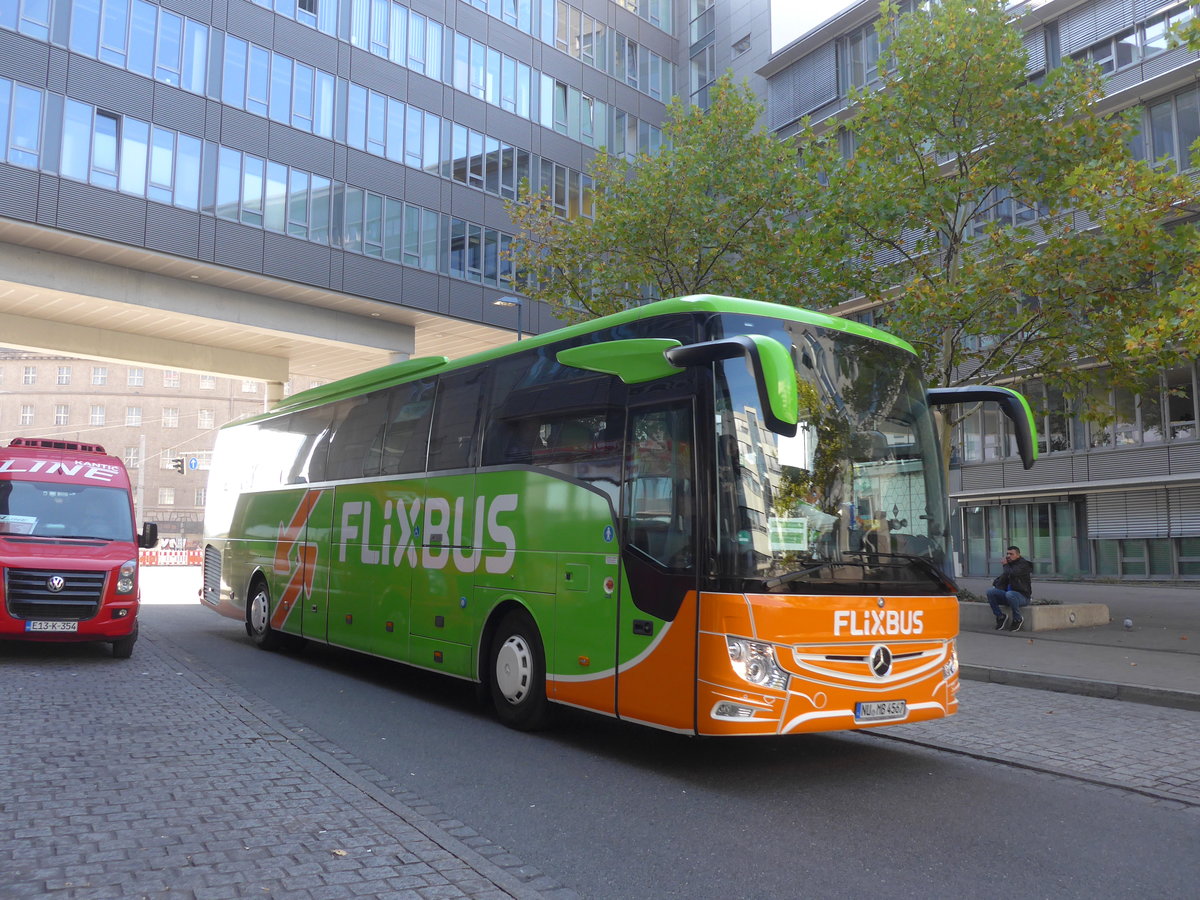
[978, 616]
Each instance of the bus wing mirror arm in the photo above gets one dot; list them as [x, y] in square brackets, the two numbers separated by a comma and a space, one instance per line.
[774, 374]
[1012, 404]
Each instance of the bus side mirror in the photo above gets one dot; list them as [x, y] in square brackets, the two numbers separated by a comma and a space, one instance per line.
[774, 374]
[1012, 404]
[633, 361]
[149, 536]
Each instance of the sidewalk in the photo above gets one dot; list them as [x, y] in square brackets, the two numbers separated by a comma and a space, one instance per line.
[1156, 660]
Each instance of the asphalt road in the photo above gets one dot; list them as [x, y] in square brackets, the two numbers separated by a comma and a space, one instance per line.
[608, 810]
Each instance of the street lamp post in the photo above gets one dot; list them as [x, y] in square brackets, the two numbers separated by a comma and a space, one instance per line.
[520, 305]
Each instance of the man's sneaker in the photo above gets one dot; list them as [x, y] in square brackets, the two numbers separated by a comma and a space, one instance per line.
[1001, 621]
[1017, 623]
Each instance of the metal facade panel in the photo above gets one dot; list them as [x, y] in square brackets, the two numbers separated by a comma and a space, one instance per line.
[296, 260]
[193, 9]
[175, 231]
[251, 23]
[109, 88]
[243, 131]
[381, 175]
[56, 74]
[988, 476]
[420, 289]
[1167, 62]
[47, 199]
[368, 277]
[1050, 469]
[104, 214]
[1184, 458]
[466, 301]
[1129, 463]
[23, 59]
[178, 109]
[301, 150]
[423, 189]
[238, 246]
[307, 44]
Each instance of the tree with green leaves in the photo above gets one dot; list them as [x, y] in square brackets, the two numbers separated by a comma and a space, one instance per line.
[710, 213]
[1003, 226]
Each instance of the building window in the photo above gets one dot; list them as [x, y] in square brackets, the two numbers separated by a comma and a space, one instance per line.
[170, 378]
[166, 496]
[133, 458]
[96, 416]
[99, 374]
[26, 415]
[202, 493]
[170, 417]
[30, 375]
[136, 377]
[62, 414]
[64, 375]
[205, 418]
[208, 382]
[133, 415]
[249, 387]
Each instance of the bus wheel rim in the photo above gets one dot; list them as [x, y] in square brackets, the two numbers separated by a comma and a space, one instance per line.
[514, 669]
[258, 612]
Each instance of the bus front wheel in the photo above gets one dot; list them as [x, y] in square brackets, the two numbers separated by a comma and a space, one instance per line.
[258, 618]
[518, 681]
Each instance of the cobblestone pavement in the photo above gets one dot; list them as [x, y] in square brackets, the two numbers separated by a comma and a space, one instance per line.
[1152, 750]
[158, 778]
[152, 779]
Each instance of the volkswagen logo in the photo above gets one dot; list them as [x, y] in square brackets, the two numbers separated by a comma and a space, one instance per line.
[881, 661]
[55, 583]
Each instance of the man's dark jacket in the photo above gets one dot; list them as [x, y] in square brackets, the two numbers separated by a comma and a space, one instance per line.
[1017, 576]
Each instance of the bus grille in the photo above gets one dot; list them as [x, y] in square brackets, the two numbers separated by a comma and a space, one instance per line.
[212, 574]
[29, 596]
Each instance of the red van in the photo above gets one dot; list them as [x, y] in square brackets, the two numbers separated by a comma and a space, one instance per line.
[68, 549]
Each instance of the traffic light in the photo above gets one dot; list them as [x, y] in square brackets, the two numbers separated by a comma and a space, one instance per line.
[177, 464]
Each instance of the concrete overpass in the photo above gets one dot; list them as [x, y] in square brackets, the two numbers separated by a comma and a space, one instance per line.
[67, 293]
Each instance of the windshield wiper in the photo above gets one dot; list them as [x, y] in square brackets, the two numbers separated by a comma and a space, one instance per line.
[789, 577]
[923, 562]
[865, 561]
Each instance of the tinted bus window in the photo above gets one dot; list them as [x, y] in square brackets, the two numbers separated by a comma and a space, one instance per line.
[407, 436]
[453, 437]
[357, 444]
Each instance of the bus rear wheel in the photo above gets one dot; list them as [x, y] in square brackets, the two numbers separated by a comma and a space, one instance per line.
[258, 618]
[518, 682]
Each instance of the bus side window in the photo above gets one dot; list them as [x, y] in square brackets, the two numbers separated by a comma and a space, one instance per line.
[659, 505]
[358, 441]
[407, 439]
[454, 435]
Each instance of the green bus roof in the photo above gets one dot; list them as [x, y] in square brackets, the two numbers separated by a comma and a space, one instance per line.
[396, 373]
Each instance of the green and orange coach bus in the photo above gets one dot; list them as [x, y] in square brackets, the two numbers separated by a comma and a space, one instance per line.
[709, 515]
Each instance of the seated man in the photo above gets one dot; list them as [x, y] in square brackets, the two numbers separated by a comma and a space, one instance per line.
[1013, 587]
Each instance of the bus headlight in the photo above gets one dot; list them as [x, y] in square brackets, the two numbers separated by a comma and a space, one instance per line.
[125, 577]
[755, 662]
[952, 662]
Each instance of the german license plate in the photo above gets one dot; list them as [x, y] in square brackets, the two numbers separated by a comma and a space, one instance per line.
[43, 626]
[880, 709]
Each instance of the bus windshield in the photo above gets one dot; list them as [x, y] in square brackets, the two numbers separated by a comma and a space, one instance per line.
[854, 502]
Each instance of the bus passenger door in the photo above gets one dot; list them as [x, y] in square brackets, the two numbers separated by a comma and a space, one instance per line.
[657, 614]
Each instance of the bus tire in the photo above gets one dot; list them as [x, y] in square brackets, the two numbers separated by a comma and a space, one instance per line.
[122, 648]
[258, 617]
[518, 673]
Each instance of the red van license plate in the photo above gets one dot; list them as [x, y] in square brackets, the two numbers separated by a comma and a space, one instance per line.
[41, 626]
